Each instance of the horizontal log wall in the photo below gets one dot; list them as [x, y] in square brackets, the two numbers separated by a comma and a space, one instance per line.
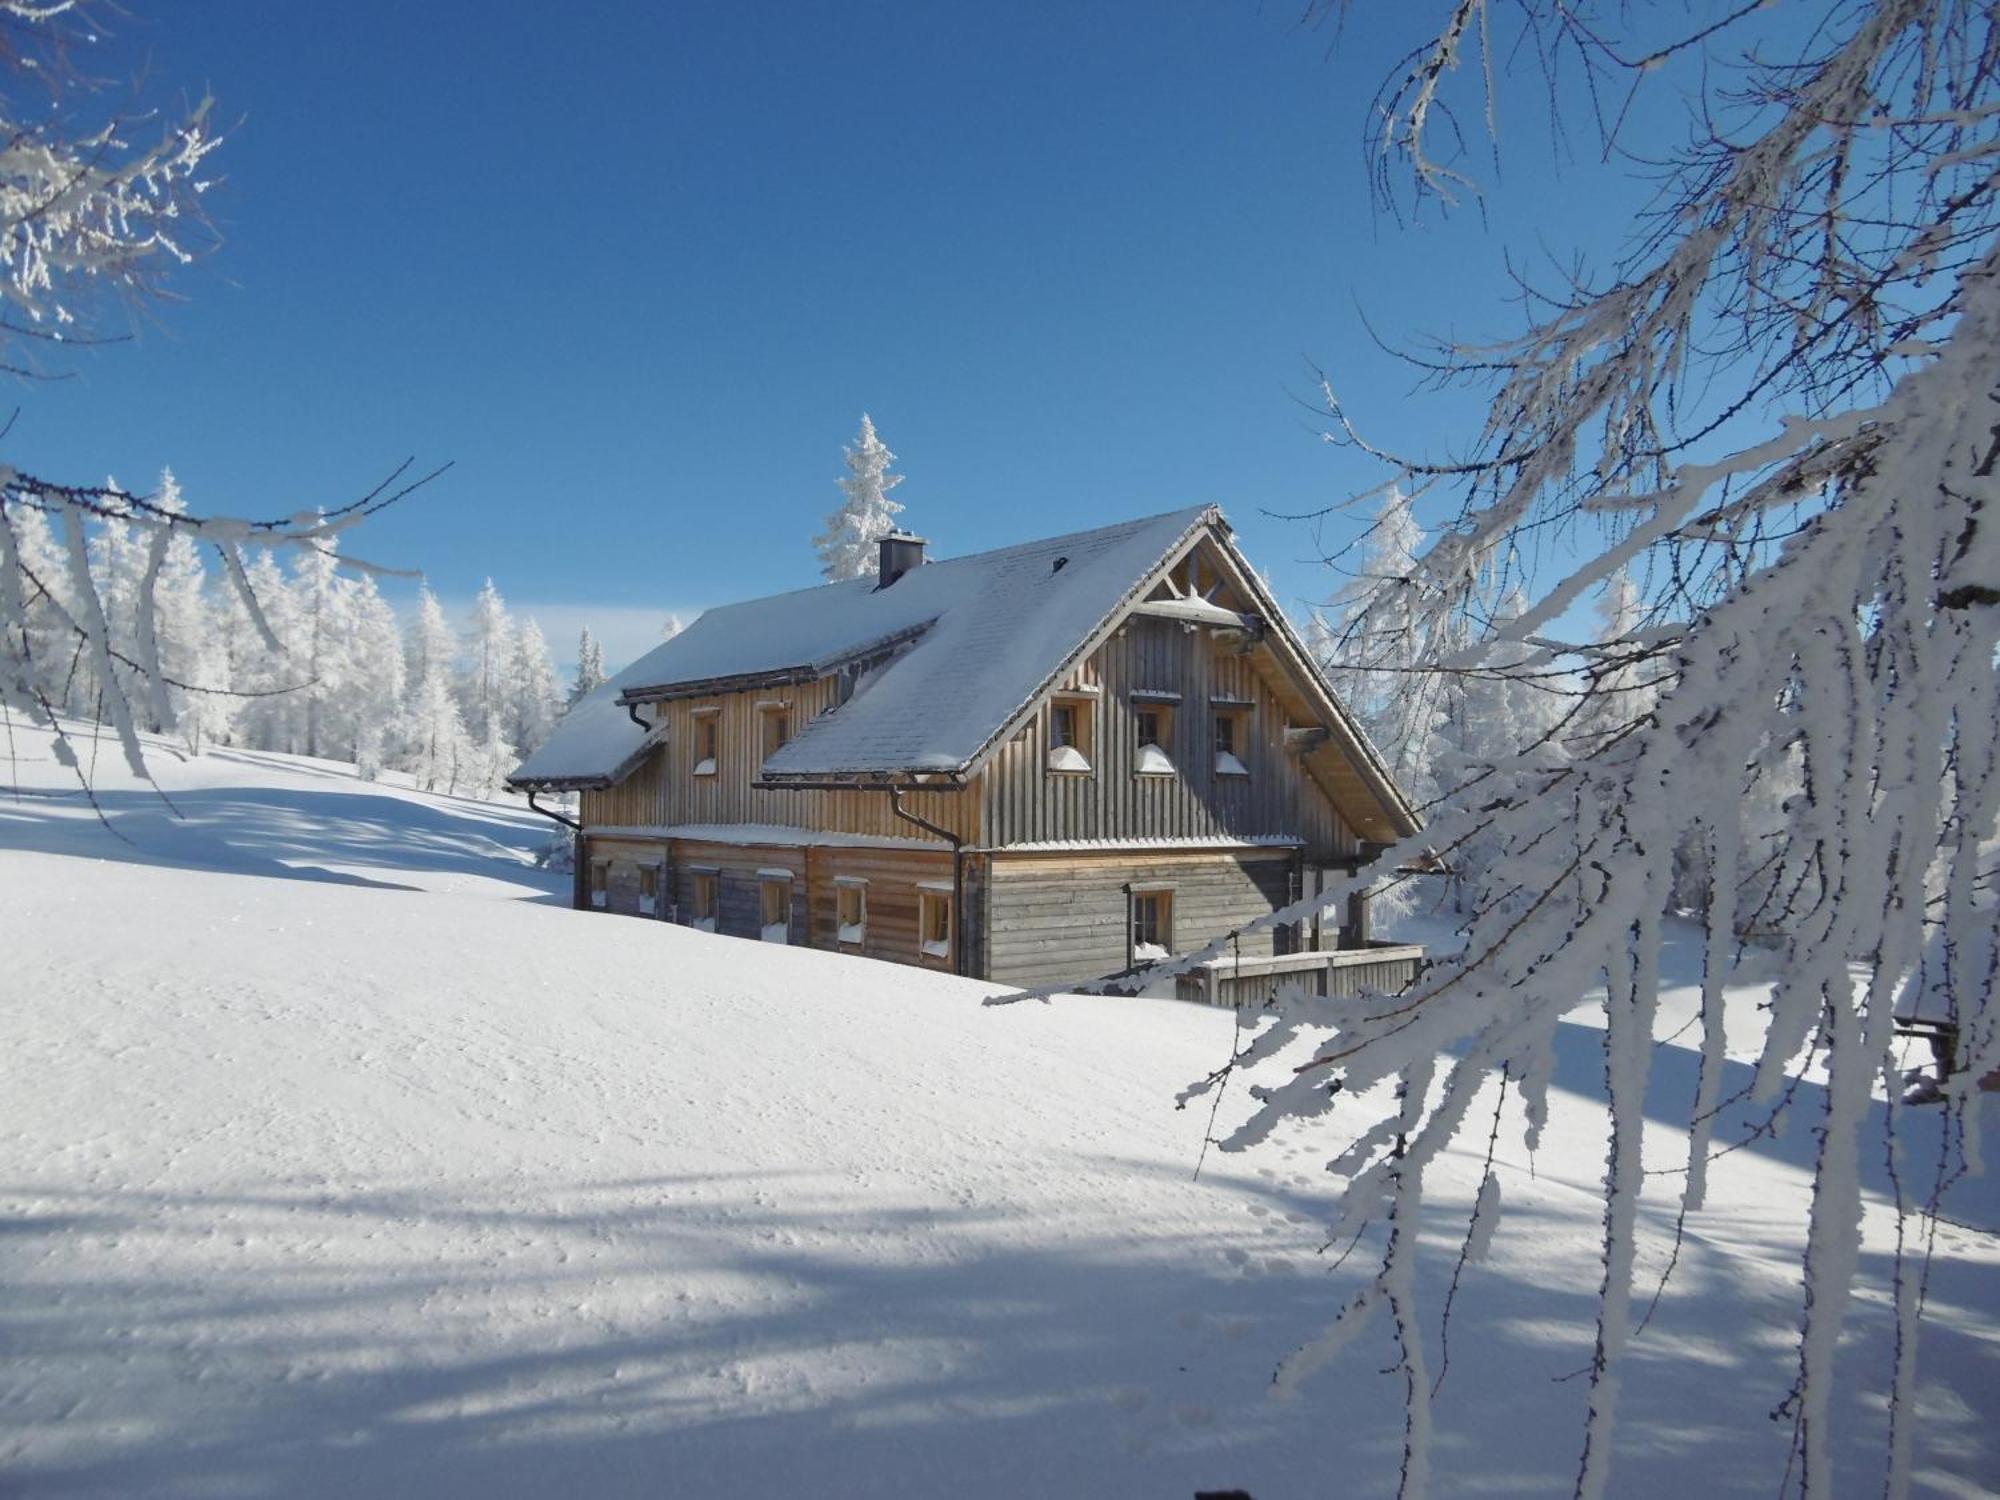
[892, 877]
[623, 859]
[892, 881]
[1024, 802]
[1052, 919]
[739, 899]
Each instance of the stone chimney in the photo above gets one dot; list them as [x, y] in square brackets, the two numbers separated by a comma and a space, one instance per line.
[900, 552]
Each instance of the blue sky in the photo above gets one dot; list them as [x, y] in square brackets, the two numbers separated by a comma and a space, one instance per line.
[638, 270]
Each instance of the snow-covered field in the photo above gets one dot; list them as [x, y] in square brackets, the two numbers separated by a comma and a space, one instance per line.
[341, 1159]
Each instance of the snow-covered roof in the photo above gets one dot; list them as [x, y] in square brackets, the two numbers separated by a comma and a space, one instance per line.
[989, 631]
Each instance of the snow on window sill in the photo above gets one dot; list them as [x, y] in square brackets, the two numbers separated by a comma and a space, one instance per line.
[778, 932]
[704, 768]
[1147, 953]
[703, 924]
[597, 899]
[852, 932]
[1153, 761]
[1067, 758]
[1228, 765]
[934, 949]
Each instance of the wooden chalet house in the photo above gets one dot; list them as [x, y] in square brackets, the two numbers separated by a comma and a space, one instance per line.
[1042, 764]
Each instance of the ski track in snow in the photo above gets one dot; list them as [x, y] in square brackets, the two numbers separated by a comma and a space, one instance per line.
[342, 1159]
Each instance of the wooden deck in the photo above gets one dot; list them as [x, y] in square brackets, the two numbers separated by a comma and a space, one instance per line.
[1255, 978]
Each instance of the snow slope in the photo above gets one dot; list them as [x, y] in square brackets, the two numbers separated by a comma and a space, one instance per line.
[340, 1159]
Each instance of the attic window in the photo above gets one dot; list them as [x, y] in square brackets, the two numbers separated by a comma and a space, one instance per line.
[707, 740]
[1070, 735]
[1231, 738]
[1153, 738]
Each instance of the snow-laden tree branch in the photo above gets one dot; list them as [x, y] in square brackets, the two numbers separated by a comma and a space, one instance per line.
[1779, 419]
[1822, 621]
[93, 216]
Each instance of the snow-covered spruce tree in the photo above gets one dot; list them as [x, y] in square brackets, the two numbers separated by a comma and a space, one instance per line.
[488, 654]
[589, 666]
[847, 548]
[1782, 406]
[93, 214]
[436, 748]
[534, 693]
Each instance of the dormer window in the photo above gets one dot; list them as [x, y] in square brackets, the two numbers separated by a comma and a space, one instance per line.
[1231, 739]
[1070, 735]
[707, 740]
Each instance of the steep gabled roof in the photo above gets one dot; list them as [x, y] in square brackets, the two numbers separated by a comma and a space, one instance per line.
[979, 637]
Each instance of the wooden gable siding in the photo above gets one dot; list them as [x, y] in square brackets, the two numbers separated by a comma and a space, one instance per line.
[1024, 802]
[1055, 919]
[664, 791]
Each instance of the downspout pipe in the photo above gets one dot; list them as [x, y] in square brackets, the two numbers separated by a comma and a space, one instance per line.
[549, 812]
[632, 713]
[957, 873]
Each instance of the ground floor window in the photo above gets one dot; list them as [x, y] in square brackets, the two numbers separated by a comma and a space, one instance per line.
[600, 882]
[934, 922]
[774, 897]
[1152, 925]
[703, 897]
[649, 890]
[851, 910]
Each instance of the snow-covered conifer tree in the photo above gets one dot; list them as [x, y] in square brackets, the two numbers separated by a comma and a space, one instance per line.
[847, 548]
[488, 656]
[534, 693]
[589, 666]
[437, 749]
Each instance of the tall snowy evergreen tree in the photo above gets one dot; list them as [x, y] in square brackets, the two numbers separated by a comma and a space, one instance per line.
[847, 548]
[589, 666]
[437, 749]
[488, 653]
[1382, 668]
[534, 693]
